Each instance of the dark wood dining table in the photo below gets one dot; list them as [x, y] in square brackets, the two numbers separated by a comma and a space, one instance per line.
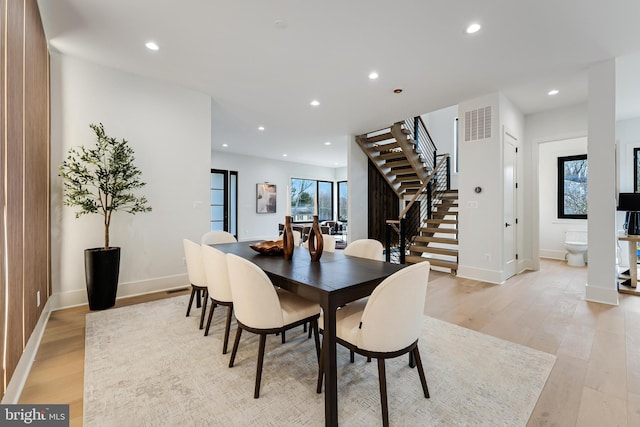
[332, 282]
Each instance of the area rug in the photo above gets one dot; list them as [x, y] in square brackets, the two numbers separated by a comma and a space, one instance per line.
[149, 365]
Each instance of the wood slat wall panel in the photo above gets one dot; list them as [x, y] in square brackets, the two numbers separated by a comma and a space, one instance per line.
[24, 176]
[3, 5]
[383, 204]
[14, 181]
[36, 163]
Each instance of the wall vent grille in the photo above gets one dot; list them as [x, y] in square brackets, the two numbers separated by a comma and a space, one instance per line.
[477, 124]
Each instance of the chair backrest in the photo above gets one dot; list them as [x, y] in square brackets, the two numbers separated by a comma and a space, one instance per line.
[365, 248]
[328, 243]
[195, 267]
[393, 316]
[255, 301]
[297, 236]
[215, 268]
[216, 237]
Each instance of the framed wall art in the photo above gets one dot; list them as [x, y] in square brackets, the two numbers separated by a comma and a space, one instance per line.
[266, 198]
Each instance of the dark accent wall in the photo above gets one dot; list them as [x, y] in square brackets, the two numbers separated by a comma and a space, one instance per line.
[383, 204]
[24, 176]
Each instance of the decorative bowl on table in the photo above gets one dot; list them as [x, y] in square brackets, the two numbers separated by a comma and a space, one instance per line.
[269, 247]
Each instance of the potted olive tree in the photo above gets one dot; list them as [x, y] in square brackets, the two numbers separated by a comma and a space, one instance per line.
[101, 180]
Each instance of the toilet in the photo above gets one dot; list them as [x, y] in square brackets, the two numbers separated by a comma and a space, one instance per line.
[575, 242]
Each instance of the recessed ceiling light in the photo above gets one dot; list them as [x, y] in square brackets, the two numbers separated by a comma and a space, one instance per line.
[314, 103]
[284, 155]
[373, 75]
[398, 90]
[260, 127]
[152, 46]
[553, 92]
[225, 145]
[327, 143]
[473, 28]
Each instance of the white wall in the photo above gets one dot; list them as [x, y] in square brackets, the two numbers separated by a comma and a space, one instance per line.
[169, 129]
[441, 125]
[481, 218]
[552, 228]
[254, 170]
[553, 125]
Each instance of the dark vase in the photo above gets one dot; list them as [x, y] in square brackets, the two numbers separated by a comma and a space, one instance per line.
[102, 267]
[287, 238]
[315, 240]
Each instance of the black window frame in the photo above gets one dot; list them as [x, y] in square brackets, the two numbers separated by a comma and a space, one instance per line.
[560, 203]
[338, 184]
[316, 206]
[229, 201]
[636, 166]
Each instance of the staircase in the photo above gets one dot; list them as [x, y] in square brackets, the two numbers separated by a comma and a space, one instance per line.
[437, 241]
[395, 156]
[406, 157]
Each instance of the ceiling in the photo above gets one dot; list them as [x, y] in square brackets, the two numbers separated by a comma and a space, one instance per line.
[262, 62]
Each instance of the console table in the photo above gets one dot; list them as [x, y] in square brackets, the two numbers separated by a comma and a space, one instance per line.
[628, 280]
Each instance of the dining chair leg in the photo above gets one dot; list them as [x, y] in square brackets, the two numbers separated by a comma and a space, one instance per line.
[193, 294]
[320, 369]
[263, 339]
[283, 337]
[309, 336]
[226, 329]
[213, 307]
[235, 346]
[412, 361]
[314, 325]
[204, 308]
[351, 356]
[423, 379]
[198, 296]
[383, 393]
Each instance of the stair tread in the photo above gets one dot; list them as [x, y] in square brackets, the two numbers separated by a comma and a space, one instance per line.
[433, 250]
[439, 230]
[392, 155]
[382, 148]
[377, 138]
[433, 261]
[427, 239]
[441, 221]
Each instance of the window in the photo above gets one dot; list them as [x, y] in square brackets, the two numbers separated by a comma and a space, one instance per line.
[636, 169]
[308, 197]
[572, 187]
[224, 201]
[342, 201]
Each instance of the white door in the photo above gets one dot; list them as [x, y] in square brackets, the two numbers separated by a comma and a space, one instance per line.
[510, 198]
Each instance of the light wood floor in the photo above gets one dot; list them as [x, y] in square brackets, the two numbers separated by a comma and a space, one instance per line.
[595, 380]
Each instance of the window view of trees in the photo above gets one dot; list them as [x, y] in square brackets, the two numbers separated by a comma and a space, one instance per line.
[636, 169]
[342, 201]
[572, 186]
[303, 199]
[309, 196]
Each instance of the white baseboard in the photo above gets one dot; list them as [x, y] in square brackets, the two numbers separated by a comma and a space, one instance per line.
[129, 289]
[489, 276]
[21, 373]
[602, 295]
[553, 254]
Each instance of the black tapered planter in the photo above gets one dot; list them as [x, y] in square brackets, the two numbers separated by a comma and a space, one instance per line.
[101, 268]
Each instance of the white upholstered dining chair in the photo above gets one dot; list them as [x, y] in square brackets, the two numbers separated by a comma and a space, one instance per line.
[328, 243]
[197, 277]
[386, 325]
[262, 309]
[215, 267]
[216, 237]
[365, 248]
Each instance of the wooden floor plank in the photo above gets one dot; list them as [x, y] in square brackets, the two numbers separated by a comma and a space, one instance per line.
[595, 381]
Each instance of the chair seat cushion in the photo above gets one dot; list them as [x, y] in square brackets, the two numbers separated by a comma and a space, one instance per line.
[348, 320]
[295, 308]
